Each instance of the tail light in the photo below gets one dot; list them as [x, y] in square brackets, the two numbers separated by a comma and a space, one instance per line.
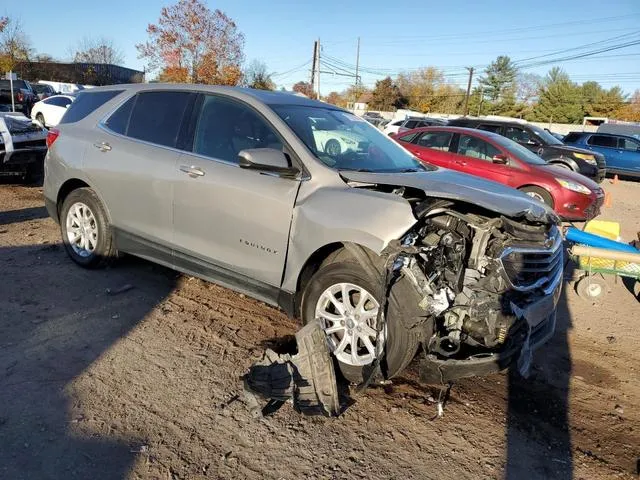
[52, 136]
[20, 97]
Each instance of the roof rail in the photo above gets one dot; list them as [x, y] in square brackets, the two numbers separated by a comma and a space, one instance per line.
[507, 119]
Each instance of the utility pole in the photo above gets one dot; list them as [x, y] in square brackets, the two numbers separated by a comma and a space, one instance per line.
[481, 99]
[466, 98]
[318, 67]
[358, 62]
[313, 65]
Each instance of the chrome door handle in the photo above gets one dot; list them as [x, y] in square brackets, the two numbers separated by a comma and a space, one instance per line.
[192, 171]
[103, 146]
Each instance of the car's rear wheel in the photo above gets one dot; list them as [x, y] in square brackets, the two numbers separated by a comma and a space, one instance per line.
[344, 298]
[86, 230]
[539, 194]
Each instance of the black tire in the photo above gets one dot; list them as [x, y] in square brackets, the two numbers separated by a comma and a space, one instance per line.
[562, 165]
[401, 343]
[332, 148]
[40, 118]
[104, 252]
[538, 192]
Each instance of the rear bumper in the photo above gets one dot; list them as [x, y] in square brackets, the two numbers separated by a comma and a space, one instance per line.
[52, 209]
[517, 353]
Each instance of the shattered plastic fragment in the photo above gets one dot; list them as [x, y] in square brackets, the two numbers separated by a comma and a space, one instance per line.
[308, 378]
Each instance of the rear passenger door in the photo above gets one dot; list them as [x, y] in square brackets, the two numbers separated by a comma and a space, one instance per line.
[629, 151]
[432, 147]
[132, 161]
[230, 222]
[607, 145]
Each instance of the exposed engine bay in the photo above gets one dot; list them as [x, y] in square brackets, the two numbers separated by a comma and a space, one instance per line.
[486, 283]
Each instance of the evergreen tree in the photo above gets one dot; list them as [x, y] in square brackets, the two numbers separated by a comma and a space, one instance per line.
[499, 85]
[386, 96]
[560, 99]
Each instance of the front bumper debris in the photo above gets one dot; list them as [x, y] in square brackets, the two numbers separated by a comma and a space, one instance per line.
[307, 378]
[540, 320]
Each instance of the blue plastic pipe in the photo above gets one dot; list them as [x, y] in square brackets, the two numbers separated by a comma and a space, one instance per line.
[585, 238]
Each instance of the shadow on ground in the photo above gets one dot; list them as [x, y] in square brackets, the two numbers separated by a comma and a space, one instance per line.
[538, 406]
[22, 215]
[56, 319]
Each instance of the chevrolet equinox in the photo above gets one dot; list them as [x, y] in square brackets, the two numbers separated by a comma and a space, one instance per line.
[246, 189]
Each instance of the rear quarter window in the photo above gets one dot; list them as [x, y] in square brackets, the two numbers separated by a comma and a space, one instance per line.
[86, 103]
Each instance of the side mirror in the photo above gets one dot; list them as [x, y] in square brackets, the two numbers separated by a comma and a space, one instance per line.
[267, 160]
[500, 159]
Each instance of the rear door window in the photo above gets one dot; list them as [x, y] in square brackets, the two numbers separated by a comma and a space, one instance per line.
[436, 140]
[157, 116]
[628, 144]
[489, 128]
[225, 127]
[86, 103]
[407, 138]
[603, 141]
[58, 101]
[517, 134]
[411, 124]
[474, 147]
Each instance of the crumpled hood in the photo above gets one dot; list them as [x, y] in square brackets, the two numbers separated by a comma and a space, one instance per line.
[447, 184]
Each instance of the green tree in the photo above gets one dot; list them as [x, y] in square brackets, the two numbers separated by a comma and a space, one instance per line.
[426, 90]
[257, 76]
[598, 102]
[386, 96]
[499, 84]
[560, 99]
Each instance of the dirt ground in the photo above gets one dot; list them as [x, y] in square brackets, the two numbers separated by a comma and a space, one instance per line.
[145, 383]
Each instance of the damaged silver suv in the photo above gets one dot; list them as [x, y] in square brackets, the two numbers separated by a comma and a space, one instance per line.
[305, 206]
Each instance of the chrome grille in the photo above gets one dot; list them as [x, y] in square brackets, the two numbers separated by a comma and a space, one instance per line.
[531, 267]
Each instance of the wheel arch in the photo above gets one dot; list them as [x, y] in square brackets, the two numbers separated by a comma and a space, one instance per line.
[565, 161]
[74, 184]
[541, 187]
[319, 258]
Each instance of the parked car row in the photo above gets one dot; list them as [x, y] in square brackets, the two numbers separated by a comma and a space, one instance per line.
[495, 157]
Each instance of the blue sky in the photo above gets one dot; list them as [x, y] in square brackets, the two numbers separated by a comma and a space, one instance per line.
[395, 36]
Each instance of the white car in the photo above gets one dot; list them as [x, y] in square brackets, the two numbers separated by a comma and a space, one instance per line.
[333, 141]
[397, 126]
[50, 110]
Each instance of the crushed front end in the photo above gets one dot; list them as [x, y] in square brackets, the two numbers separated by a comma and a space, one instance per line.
[489, 286]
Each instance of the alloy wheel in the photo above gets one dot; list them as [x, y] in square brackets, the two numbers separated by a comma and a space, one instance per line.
[82, 229]
[348, 314]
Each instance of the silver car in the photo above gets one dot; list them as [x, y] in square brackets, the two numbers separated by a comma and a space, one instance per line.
[230, 185]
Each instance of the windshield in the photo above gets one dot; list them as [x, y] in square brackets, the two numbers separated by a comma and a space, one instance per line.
[343, 141]
[517, 150]
[546, 137]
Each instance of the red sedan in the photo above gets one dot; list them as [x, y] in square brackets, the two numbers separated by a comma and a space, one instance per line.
[494, 157]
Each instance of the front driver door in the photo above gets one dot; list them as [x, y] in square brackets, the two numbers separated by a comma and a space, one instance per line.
[476, 157]
[230, 221]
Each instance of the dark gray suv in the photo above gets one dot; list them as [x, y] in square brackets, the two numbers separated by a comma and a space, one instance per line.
[235, 186]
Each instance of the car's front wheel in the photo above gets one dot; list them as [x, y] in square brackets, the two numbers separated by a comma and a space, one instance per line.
[86, 230]
[344, 298]
[539, 194]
